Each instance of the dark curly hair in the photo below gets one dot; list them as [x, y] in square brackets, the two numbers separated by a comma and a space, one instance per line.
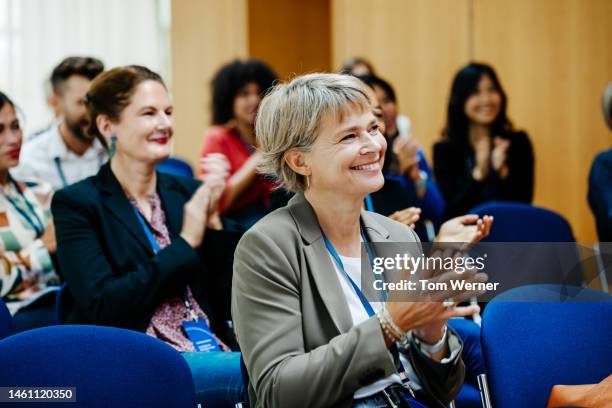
[465, 84]
[228, 81]
[87, 67]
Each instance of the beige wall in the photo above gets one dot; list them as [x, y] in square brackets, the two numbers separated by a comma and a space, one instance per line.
[553, 58]
[415, 45]
[555, 61]
[292, 36]
[205, 34]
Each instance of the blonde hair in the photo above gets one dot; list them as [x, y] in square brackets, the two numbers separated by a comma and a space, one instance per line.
[291, 114]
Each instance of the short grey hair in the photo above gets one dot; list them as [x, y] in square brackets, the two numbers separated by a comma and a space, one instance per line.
[291, 114]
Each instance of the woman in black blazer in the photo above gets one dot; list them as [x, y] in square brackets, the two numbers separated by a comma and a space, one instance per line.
[481, 157]
[144, 250]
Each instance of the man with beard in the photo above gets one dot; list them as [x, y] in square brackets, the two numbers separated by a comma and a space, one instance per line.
[65, 153]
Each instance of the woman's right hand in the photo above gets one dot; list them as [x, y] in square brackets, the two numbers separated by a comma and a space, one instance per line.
[422, 309]
[195, 214]
[48, 238]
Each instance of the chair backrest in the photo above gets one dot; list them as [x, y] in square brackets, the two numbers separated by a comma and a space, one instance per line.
[6, 320]
[176, 167]
[520, 222]
[109, 367]
[536, 336]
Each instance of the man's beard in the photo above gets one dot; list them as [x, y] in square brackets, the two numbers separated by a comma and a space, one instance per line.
[77, 129]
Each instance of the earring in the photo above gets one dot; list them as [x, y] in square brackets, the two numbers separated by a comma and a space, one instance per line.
[307, 182]
[113, 147]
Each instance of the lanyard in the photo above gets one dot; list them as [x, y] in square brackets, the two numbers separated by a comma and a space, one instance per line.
[368, 203]
[154, 244]
[58, 166]
[156, 248]
[32, 218]
[366, 305]
[60, 170]
[364, 302]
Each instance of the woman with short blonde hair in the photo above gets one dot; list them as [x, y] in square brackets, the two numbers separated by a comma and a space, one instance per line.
[308, 336]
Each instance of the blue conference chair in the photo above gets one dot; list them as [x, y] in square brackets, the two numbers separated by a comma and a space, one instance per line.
[520, 222]
[536, 336]
[6, 320]
[554, 260]
[469, 395]
[109, 367]
[176, 167]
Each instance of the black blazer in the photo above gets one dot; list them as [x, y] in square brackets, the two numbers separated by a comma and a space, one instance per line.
[112, 273]
[453, 164]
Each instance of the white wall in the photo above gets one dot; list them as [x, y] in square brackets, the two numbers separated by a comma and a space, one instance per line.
[35, 35]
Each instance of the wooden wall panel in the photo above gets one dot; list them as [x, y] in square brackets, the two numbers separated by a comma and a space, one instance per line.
[205, 35]
[417, 45]
[292, 36]
[554, 59]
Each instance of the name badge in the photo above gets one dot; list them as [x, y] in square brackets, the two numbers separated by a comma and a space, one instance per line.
[200, 335]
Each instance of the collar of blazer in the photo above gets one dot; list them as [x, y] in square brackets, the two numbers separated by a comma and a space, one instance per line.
[116, 202]
[320, 262]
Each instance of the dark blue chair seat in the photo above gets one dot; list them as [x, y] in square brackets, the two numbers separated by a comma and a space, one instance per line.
[176, 167]
[520, 222]
[536, 336]
[109, 367]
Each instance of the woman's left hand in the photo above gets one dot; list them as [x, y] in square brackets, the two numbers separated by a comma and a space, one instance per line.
[214, 173]
[407, 154]
[499, 156]
[468, 229]
[408, 216]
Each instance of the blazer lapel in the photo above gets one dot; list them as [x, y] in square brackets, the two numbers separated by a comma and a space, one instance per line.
[116, 202]
[173, 200]
[320, 264]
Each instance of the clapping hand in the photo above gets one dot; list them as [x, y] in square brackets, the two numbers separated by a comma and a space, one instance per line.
[468, 229]
[408, 216]
[214, 170]
[407, 154]
[499, 156]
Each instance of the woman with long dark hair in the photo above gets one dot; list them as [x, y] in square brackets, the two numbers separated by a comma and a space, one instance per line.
[27, 233]
[237, 90]
[481, 157]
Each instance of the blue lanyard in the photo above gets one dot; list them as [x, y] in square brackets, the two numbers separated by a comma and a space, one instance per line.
[156, 248]
[368, 203]
[154, 244]
[58, 166]
[364, 302]
[34, 221]
[60, 171]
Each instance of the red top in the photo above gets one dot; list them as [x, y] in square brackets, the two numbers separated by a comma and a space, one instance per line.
[229, 142]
